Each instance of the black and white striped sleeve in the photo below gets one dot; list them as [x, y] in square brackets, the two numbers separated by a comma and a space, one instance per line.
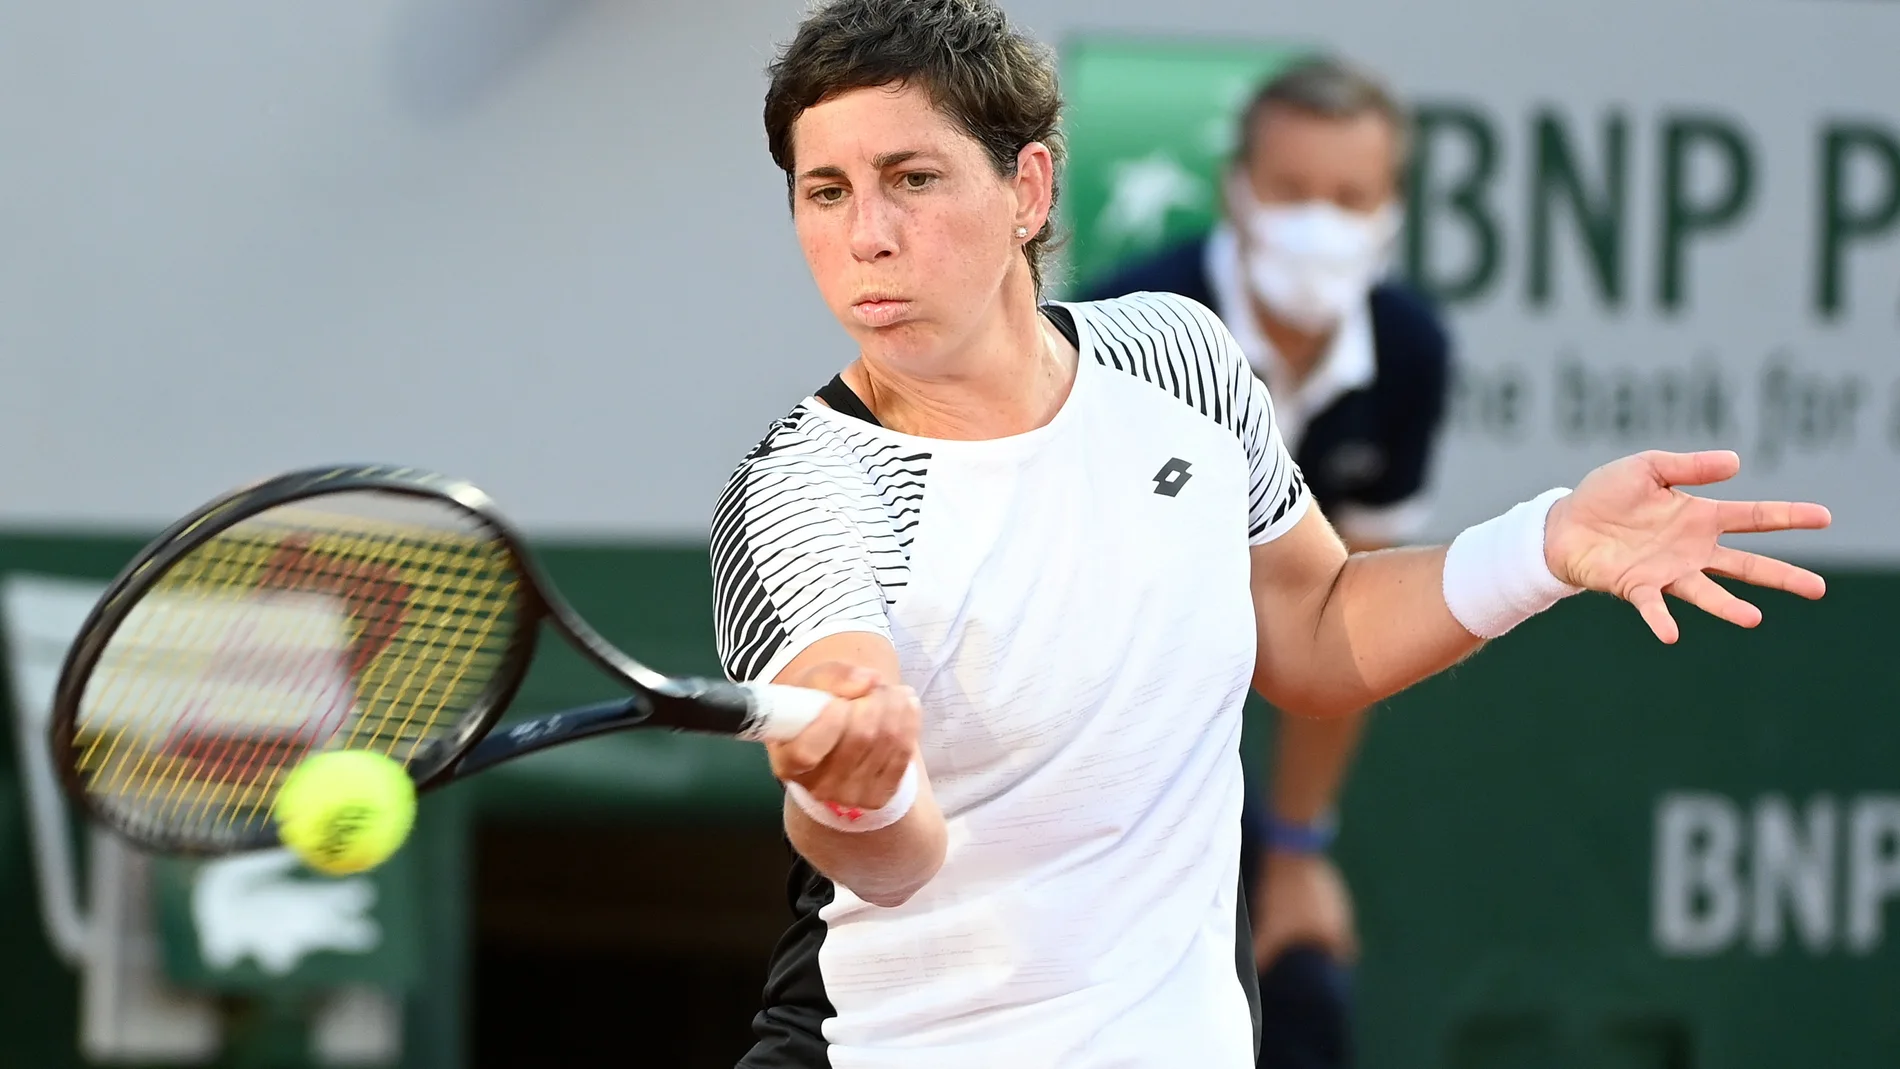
[1277, 495]
[1181, 346]
[790, 564]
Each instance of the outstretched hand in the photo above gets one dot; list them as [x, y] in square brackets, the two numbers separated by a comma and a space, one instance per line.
[1627, 530]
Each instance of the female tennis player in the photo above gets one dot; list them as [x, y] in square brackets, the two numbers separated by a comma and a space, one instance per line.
[1039, 551]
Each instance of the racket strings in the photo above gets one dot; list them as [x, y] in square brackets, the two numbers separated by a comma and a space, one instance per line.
[297, 630]
[454, 616]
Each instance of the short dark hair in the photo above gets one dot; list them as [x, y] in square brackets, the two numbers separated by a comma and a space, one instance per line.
[997, 85]
[1330, 88]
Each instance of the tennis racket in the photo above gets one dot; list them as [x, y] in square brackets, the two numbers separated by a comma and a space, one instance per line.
[372, 608]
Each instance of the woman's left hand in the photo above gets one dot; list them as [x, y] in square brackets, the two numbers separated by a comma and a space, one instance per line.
[1627, 530]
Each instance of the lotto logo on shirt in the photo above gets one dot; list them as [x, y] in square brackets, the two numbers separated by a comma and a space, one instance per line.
[1172, 477]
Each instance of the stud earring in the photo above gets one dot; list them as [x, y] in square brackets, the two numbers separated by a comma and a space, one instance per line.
[1022, 231]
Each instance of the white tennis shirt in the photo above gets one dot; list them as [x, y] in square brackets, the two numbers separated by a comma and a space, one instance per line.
[1071, 605]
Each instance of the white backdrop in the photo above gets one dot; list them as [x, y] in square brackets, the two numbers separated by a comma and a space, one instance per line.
[539, 243]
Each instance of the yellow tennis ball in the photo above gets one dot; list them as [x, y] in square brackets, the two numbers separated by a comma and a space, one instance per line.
[345, 811]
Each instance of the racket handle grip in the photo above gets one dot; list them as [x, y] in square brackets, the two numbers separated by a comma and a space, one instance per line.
[779, 712]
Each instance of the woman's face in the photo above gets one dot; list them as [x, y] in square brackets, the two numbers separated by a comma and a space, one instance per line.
[908, 229]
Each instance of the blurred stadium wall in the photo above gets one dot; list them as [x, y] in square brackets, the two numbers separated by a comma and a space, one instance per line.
[540, 245]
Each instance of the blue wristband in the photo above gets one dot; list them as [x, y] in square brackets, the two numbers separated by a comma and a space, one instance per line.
[1286, 837]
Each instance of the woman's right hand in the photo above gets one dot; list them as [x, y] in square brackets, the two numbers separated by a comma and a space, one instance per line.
[855, 753]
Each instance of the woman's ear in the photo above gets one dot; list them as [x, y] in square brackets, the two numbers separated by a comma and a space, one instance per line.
[1034, 185]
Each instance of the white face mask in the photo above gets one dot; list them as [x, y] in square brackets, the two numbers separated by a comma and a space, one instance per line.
[1311, 263]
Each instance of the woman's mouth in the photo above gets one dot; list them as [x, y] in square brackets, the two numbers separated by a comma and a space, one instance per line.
[879, 310]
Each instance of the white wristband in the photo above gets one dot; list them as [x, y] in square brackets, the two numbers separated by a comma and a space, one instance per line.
[842, 818]
[1495, 573]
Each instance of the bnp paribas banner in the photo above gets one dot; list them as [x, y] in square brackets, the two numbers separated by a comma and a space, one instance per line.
[1624, 264]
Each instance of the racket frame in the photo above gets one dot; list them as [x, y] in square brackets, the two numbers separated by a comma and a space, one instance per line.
[143, 573]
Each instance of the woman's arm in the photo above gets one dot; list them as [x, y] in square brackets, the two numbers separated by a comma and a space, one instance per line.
[1337, 633]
